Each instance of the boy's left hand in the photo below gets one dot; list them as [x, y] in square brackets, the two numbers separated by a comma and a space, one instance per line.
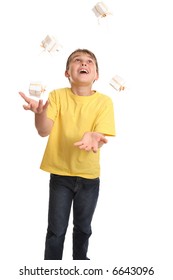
[91, 141]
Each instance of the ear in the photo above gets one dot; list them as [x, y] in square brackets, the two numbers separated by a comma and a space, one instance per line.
[67, 74]
[96, 77]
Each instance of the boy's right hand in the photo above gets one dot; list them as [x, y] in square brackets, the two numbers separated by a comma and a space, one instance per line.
[35, 106]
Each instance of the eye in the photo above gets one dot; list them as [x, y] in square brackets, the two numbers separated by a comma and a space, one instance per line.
[77, 60]
[90, 61]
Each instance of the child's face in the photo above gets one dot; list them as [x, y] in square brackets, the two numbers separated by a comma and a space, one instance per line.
[82, 69]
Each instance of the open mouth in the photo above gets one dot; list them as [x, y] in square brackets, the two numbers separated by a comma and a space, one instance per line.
[83, 71]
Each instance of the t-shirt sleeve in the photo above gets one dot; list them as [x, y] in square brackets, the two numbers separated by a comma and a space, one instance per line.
[52, 109]
[105, 122]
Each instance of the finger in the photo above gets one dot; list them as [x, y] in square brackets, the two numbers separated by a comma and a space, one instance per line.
[95, 149]
[40, 106]
[88, 148]
[21, 94]
[46, 104]
[40, 102]
[27, 99]
[82, 146]
[27, 107]
[79, 143]
[103, 139]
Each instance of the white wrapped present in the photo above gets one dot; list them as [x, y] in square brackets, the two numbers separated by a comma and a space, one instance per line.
[50, 44]
[101, 10]
[117, 83]
[36, 89]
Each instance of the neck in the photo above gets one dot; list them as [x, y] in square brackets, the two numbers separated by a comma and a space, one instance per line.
[82, 91]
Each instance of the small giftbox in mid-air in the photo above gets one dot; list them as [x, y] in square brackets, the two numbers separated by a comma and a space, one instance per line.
[36, 89]
[101, 10]
[117, 83]
[50, 44]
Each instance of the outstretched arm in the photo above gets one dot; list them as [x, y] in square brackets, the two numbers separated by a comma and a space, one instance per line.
[42, 123]
[91, 141]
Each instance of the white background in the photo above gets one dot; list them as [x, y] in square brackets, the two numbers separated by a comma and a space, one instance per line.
[132, 225]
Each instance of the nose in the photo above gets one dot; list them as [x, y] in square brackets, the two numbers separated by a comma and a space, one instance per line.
[84, 63]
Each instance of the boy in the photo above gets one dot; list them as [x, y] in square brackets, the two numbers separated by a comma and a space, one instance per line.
[77, 119]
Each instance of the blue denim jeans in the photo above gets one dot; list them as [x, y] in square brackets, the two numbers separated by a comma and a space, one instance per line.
[65, 191]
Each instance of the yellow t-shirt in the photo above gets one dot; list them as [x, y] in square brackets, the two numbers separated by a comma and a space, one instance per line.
[73, 115]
